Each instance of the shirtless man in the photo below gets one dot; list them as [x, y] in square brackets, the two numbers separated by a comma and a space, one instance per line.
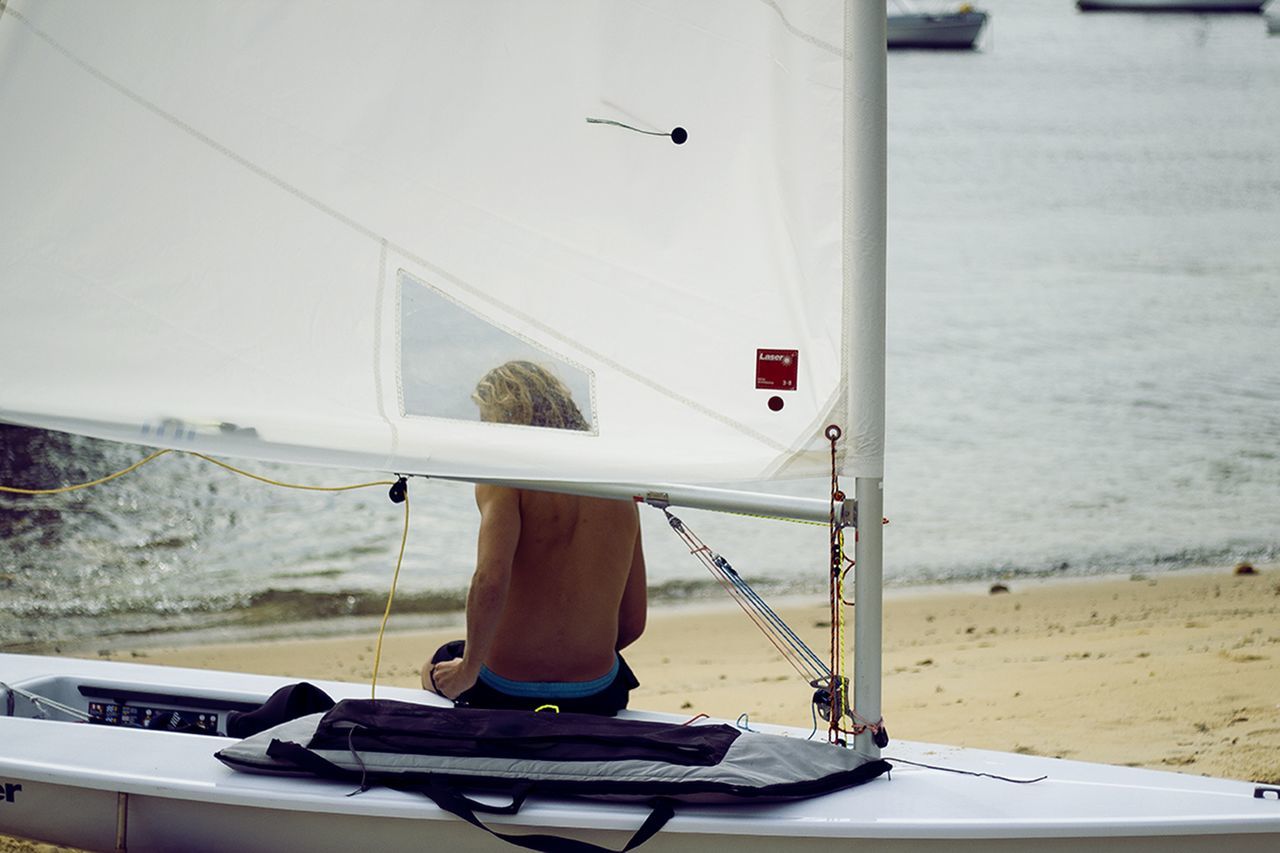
[559, 586]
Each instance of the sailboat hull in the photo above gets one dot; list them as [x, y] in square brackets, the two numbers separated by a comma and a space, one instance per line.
[105, 787]
[1171, 5]
[163, 824]
[945, 30]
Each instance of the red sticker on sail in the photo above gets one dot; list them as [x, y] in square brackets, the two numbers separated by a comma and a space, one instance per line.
[777, 369]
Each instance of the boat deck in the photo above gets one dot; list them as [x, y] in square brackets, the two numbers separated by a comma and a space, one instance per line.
[80, 784]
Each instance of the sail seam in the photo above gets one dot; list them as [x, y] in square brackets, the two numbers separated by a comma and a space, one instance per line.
[196, 133]
[831, 412]
[801, 34]
[364, 230]
[400, 405]
[377, 350]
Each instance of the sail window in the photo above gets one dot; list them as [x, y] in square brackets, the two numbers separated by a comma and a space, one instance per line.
[457, 364]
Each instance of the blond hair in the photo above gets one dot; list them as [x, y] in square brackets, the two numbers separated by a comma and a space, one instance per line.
[521, 392]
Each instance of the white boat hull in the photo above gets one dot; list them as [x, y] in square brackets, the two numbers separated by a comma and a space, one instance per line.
[104, 788]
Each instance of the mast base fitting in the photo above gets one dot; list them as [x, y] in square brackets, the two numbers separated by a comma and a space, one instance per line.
[823, 701]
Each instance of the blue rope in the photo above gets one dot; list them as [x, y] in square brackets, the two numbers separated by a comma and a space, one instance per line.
[806, 658]
[816, 663]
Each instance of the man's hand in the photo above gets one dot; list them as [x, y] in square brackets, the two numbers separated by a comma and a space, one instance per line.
[449, 678]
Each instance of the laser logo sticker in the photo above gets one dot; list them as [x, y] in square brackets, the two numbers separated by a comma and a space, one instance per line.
[777, 369]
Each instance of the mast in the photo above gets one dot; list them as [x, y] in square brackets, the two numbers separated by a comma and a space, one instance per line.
[865, 204]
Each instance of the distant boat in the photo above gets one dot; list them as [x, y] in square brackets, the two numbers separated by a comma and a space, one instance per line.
[1171, 5]
[954, 30]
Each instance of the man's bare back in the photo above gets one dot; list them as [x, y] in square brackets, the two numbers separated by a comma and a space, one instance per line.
[559, 588]
[569, 577]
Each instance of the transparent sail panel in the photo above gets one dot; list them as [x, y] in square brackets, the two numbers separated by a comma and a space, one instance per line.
[456, 364]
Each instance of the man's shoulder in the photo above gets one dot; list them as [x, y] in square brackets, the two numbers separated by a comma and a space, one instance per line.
[561, 505]
[490, 495]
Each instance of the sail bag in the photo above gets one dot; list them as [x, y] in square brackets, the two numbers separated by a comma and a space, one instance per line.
[442, 752]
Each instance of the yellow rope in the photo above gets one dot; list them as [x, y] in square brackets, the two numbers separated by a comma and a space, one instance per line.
[135, 466]
[404, 536]
[243, 473]
[377, 655]
[778, 518]
[271, 482]
[842, 686]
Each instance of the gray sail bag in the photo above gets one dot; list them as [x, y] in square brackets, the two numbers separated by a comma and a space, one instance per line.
[442, 752]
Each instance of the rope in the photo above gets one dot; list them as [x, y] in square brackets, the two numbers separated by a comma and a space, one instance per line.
[793, 649]
[135, 466]
[832, 697]
[398, 490]
[42, 702]
[838, 685]
[777, 518]
[98, 482]
[967, 772]
[284, 485]
[391, 596]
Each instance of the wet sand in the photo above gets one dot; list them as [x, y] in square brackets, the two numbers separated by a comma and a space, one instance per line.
[1173, 672]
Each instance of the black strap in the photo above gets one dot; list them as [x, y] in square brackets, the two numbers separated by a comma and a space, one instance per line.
[455, 803]
[305, 759]
[518, 796]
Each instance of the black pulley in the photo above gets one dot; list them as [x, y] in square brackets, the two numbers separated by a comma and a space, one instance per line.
[398, 491]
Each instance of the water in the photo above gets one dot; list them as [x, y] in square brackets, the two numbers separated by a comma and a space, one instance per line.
[1082, 370]
[1084, 271]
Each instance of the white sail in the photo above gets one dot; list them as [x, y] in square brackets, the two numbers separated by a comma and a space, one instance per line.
[298, 231]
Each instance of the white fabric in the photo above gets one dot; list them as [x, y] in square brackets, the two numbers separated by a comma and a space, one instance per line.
[207, 211]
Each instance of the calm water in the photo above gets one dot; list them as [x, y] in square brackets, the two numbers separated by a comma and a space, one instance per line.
[1083, 371]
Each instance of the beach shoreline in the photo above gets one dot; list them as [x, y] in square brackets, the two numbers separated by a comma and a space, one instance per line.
[1178, 671]
[709, 600]
[1064, 667]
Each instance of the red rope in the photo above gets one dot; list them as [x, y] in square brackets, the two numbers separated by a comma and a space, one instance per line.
[836, 688]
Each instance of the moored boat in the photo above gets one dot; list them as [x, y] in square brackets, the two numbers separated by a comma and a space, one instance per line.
[1171, 5]
[956, 29]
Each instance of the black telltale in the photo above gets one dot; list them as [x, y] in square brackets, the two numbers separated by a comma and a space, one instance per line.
[679, 135]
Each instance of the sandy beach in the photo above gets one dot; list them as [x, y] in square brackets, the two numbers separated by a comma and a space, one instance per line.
[1173, 672]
